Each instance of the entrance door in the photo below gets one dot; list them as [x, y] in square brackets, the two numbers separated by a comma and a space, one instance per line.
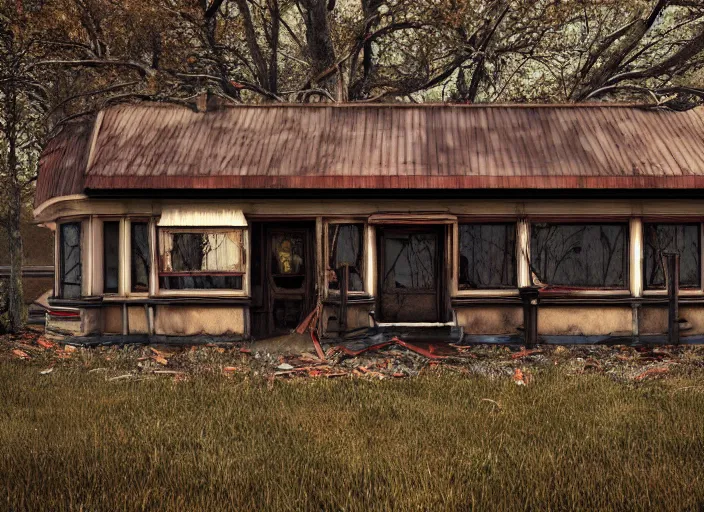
[286, 277]
[410, 284]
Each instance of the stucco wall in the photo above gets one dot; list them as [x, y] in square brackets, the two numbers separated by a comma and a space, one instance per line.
[193, 320]
[585, 320]
[490, 319]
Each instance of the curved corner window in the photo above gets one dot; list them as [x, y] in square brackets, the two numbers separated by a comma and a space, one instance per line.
[70, 271]
[139, 260]
[194, 259]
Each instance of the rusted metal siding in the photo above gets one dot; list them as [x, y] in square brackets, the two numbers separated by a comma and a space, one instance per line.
[148, 146]
[63, 162]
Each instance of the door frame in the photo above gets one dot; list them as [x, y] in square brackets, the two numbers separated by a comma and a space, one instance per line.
[441, 233]
[269, 291]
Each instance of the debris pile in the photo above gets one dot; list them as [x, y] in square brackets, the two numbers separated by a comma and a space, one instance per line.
[373, 357]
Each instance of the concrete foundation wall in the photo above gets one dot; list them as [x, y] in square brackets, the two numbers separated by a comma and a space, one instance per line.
[490, 319]
[653, 320]
[585, 320]
[193, 320]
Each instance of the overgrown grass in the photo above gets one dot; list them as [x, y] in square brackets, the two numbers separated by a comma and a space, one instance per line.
[71, 440]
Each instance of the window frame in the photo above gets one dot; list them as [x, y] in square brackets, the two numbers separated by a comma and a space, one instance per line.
[228, 292]
[128, 252]
[501, 290]
[59, 253]
[101, 260]
[570, 220]
[364, 270]
[687, 219]
[454, 247]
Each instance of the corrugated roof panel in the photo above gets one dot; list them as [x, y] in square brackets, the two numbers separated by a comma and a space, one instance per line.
[378, 146]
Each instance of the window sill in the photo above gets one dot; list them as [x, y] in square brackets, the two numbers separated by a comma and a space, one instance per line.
[488, 292]
[683, 293]
[201, 293]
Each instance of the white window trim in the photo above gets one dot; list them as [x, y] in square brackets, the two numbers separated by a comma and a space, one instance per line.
[224, 292]
[367, 242]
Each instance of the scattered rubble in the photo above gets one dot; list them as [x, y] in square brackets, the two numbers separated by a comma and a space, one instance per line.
[375, 357]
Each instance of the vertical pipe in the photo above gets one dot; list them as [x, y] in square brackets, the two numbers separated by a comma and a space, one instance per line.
[671, 263]
[530, 298]
[344, 280]
[125, 320]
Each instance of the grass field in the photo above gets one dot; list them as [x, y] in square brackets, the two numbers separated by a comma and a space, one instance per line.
[73, 440]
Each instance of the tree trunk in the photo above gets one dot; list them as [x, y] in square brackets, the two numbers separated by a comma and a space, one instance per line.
[15, 295]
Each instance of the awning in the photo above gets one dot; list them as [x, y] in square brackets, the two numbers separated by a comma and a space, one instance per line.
[202, 216]
[412, 218]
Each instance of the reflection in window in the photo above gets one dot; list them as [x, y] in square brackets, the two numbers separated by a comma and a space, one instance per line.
[111, 256]
[70, 260]
[139, 260]
[677, 238]
[201, 259]
[288, 261]
[288, 255]
[410, 262]
[487, 256]
[345, 248]
[580, 255]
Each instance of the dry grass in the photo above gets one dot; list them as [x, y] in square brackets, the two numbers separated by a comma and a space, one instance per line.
[72, 440]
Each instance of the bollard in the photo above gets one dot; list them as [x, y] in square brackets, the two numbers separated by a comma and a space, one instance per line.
[344, 280]
[671, 266]
[530, 298]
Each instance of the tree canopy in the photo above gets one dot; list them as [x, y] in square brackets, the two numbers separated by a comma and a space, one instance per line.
[63, 59]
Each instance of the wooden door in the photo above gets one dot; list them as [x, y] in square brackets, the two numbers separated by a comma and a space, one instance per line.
[410, 276]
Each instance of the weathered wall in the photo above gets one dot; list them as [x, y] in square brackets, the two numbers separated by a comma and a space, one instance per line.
[193, 320]
[357, 317]
[585, 320]
[653, 320]
[490, 319]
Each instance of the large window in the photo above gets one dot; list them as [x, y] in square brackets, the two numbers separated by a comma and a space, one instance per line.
[139, 258]
[487, 256]
[345, 242]
[201, 259]
[580, 255]
[111, 256]
[674, 238]
[70, 260]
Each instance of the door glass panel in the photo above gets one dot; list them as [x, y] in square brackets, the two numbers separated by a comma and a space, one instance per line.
[288, 261]
[410, 262]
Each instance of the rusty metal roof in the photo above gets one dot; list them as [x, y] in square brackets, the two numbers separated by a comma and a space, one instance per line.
[372, 146]
[63, 162]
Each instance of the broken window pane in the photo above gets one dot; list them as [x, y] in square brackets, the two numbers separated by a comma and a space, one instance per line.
[139, 261]
[345, 248]
[410, 262]
[580, 255]
[679, 238]
[201, 259]
[70, 260]
[487, 256]
[111, 256]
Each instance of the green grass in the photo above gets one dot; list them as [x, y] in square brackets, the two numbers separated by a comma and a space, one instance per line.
[71, 440]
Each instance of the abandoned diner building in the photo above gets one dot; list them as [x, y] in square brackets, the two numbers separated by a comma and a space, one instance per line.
[240, 220]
